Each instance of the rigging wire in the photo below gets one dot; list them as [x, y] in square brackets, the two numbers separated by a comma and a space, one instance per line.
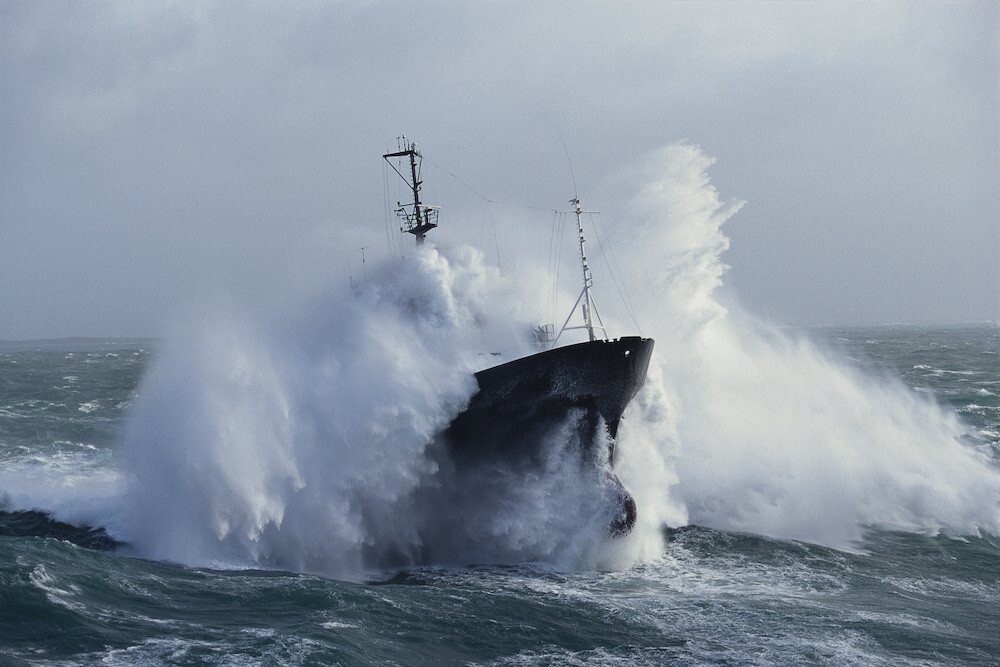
[488, 217]
[482, 225]
[551, 305]
[389, 235]
[496, 241]
[621, 287]
[557, 232]
[576, 193]
[481, 195]
[560, 219]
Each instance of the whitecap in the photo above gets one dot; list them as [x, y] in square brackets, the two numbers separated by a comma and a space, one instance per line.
[44, 581]
[336, 625]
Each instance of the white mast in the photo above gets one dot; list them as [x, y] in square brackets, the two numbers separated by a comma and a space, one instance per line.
[588, 278]
[589, 305]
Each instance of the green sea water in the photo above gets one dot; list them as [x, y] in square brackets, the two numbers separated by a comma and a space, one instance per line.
[73, 590]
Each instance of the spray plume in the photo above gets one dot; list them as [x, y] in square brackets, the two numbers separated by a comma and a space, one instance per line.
[311, 445]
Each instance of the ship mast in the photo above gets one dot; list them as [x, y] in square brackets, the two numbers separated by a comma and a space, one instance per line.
[416, 218]
[589, 305]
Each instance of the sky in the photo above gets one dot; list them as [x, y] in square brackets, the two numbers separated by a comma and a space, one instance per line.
[153, 152]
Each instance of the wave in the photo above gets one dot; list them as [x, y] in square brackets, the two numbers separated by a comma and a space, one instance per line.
[309, 443]
[769, 433]
[32, 523]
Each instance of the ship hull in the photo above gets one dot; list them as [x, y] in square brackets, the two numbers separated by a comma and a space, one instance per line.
[520, 404]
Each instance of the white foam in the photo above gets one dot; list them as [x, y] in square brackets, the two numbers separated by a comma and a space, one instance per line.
[336, 625]
[307, 443]
[63, 594]
[300, 444]
[773, 435]
[75, 482]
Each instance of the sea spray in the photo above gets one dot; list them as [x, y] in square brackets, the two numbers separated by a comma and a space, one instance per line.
[312, 444]
[554, 506]
[59, 415]
[771, 434]
[79, 487]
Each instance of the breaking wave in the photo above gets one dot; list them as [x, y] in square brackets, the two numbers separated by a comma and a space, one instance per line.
[310, 444]
[762, 430]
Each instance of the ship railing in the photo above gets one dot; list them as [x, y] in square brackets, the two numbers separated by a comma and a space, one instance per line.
[425, 216]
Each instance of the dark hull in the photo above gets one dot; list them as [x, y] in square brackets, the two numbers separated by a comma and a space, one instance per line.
[520, 403]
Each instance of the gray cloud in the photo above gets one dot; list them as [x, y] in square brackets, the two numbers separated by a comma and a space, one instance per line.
[154, 151]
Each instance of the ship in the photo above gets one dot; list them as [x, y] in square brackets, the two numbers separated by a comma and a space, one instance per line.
[585, 385]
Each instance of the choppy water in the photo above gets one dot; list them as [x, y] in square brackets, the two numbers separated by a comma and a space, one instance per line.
[710, 596]
[264, 489]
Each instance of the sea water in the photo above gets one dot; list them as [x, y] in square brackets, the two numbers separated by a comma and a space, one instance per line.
[255, 490]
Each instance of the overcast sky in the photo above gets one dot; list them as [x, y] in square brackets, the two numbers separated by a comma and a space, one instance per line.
[154, 151]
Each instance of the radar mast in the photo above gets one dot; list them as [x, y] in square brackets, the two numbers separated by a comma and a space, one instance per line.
[416, 218]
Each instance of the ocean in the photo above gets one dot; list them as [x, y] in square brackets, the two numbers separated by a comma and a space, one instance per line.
[73, 595]
[265, 484]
